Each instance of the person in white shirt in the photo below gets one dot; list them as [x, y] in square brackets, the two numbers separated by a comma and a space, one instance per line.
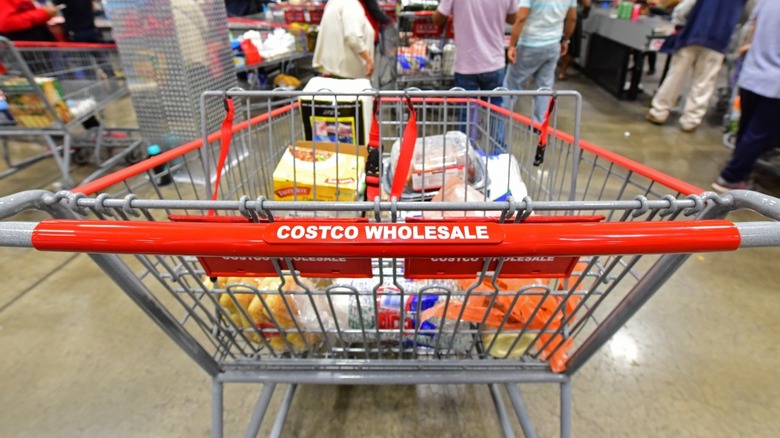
[345, 43]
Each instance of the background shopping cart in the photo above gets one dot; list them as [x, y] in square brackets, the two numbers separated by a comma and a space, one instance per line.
[611, 281]
[425, 52]
[54, 91]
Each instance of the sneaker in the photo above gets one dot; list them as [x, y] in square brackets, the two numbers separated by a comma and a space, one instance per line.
[688, 129]
[654, 120]
[721, 185]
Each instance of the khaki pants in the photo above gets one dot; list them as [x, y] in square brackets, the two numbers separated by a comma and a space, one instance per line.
[704, 64]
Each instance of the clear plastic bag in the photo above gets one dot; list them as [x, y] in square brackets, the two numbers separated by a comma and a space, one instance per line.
[436, 158]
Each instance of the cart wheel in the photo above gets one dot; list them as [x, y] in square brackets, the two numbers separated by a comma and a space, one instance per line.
[80, 156]
[134, 156]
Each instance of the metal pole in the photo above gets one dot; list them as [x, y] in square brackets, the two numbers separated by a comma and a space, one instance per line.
[216, 408]
[121, 274]
[520, 410]
[284, 408]
[503, 418]
[262, 406]
[566, 409]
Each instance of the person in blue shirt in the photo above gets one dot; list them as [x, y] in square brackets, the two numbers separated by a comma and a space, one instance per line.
[540, 36]
[699, 49]
[759, 91]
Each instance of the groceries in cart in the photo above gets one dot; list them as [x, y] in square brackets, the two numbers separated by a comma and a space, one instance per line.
[269, 45]
[266, 312]
[339, 118]
[320, 172]
[27, 107]
[5, 116]
[426, 57]
[395, 316]
[517, 315]
[435, 158]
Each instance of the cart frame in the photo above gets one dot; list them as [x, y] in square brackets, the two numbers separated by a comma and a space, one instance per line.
[657, 222]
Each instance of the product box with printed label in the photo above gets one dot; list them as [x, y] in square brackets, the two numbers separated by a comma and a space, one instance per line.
[339, 117]
[320, 172]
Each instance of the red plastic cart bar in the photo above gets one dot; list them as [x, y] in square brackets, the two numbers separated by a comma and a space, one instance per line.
[361, 240]
[63, 46]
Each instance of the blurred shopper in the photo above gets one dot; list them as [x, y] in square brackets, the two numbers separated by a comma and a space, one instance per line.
[345, 43]
[541, 34]
[241, 8]
[583, 10]
[24, 20]
[480, 62]
[759, 84]
[80, 21]
[479, 29]
[698, 50]
[376, 16]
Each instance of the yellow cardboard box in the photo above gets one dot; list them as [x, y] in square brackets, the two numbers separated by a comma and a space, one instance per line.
[331, 172]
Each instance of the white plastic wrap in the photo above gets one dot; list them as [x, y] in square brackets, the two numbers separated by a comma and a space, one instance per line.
[438, 157]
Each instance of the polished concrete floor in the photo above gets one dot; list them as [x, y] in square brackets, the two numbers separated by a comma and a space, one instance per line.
[79, 359]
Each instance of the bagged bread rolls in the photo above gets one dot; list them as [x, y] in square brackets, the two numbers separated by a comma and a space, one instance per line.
[270, 310]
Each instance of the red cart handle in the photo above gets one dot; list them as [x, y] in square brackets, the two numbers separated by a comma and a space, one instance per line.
[363, 240]
[66, 46]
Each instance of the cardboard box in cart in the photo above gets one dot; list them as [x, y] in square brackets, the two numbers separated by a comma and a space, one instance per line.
[320, 172]
[337, 119]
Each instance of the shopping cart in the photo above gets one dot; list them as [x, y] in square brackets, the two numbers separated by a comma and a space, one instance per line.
[391, 290]
[425, 54]
[52, 89]
[281, 47]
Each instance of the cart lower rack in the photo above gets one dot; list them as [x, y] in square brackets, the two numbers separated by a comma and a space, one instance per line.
[429, 286]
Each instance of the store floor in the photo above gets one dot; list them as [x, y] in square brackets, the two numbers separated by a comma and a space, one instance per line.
[79, 359]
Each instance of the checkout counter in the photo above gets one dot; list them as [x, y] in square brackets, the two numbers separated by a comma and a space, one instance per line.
[613, 50]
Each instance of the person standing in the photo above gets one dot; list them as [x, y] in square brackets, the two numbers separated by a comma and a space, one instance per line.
[23, 20]
[698, 49]
[759, 84]
[583, 11]
[478, 26]
[540, 35]
[80, 21]
[345, 43]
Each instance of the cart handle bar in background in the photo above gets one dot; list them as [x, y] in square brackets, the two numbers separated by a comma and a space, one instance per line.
[64, 46]
[480, 239]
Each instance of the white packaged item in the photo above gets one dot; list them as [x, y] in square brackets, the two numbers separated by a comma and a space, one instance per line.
[505, 178]
[438, 157]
